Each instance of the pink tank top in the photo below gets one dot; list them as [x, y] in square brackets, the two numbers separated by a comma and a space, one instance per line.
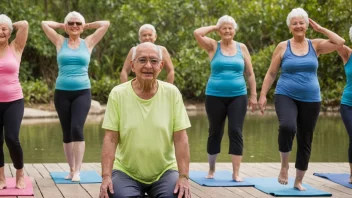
[10, 87]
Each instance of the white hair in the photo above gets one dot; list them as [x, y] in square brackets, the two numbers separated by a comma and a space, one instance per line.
[157, 48]
[297, 12]
[74, 14]
[6, 20]
[227, 19]
[146, 27]
[350, 33]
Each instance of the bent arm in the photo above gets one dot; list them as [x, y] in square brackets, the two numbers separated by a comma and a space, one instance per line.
[249, 71]
[169, 67]
[205, 42]
[49, 28]
[101, 28]
[21, 35]
[126, 69]
[182, 151]
[110, 143]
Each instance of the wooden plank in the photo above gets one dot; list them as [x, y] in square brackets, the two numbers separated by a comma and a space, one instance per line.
[42, 170]
[48, 188]
[72, 190]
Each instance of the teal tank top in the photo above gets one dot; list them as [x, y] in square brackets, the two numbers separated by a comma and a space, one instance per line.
[226, 77]
[73, 67]
[347, 91]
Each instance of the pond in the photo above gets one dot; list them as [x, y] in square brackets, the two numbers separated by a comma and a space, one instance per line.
[42, 142]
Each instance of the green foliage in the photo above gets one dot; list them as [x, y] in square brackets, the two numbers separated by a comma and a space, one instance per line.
[101, 88]
[36, 91]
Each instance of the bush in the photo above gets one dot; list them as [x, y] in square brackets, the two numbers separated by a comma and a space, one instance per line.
[37, 91]
[101, 88]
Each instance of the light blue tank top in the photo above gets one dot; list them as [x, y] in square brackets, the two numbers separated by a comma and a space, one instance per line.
[298, 79]
[226, 77]
[347, 92]
[73, 67]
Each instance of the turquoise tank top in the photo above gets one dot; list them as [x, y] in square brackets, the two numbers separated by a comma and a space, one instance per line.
[298, 79]
[226, 77]
[73, 67]
[347, 91]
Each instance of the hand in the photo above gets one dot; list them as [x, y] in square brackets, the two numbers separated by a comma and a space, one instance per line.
[182, 188]
[86, 26]
[262, 103]
[106, 185]
[252, 102]
[316, 27]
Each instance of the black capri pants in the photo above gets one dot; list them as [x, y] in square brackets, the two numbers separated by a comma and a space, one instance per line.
[296, 116]
[346, 115]
[217, 108]
[11, 114]
[72, 108]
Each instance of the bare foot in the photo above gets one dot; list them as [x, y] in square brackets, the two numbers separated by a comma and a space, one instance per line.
[298, 185]
[2, 183]
[76, 177]
[283, 176]
[69, 176]
[20, 184]
[210, 174]
[237, 178]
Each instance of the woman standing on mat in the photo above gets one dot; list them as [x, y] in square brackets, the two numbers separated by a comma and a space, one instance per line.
[11, 97]
[72, 94]
[297, 94]
[346, 100]
[226, 91]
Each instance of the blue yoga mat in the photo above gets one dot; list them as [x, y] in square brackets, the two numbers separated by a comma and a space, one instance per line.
[86, 177]
[273, 187]
[339, 178]
[221, 178]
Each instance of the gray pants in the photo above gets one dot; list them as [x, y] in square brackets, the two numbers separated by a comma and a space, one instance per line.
[125, 186]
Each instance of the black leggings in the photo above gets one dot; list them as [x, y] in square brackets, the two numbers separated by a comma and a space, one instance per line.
[296, 116]
[72, 108]
[217, 109]
[11, 114]
[346, 114]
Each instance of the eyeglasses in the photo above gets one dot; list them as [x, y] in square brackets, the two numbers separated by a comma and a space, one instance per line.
[70, 23]
[153, 61]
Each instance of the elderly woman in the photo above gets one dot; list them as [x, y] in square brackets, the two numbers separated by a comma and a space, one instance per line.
[72, 94]
[147, 33]
[11, 97]
[297, 94]
[346, 101]
[226, 92]
[146, 119]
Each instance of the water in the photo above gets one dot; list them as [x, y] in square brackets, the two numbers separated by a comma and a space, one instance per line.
[42, 142]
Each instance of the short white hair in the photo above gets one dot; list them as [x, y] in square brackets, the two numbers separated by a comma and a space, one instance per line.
[297, 12]
[146, 27]
[74, 14]
[350, 33]
[6, 20]
[134, 50]
[227, 19]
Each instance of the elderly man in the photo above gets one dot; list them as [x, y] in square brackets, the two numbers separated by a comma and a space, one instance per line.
[147, 121]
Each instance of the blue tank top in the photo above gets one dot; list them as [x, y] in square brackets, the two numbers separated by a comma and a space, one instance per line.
[73, 67]
[347, 92]
[298, 79]
[226, 77]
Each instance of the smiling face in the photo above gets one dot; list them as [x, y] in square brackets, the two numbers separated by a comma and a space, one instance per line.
[298, 26]
[147, 35]
[5, 33]
[74, 27]
[227, 31]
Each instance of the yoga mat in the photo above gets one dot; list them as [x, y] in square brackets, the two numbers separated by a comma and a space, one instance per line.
[86, 177]
[11, 189]
[339, 178]
[221, 178]
[273, 187]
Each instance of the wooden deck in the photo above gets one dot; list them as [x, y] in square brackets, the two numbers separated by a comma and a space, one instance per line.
[45, 187]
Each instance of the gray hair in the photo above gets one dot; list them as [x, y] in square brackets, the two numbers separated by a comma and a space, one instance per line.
[157, 48]
[297, 12]
[6, 20]
[146, 27]
[350, 33]
[227, 19]
[74, 14]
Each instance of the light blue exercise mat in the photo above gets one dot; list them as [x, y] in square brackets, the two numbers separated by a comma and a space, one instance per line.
[273, 187]
[221, 178]
[339, 178]
[86, 177]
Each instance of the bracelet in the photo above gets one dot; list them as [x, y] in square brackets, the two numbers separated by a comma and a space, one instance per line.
[183, 176]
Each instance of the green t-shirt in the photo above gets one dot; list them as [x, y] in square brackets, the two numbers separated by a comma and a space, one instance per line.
[146, 147]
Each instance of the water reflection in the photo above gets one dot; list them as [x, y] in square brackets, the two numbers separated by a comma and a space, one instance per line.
[42, 142]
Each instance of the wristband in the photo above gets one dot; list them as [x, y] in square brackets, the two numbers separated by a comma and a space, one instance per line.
[183, 176]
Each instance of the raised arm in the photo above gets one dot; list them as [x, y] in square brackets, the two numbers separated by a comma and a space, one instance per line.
[345, 53]
[182, 158]
[205, 42]
[101, 28]
[250, 77]
[21, 36]
[110, 143]
[49, 28]
[325, 46]
[126, 69]
[169, 67]
[270, 75]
